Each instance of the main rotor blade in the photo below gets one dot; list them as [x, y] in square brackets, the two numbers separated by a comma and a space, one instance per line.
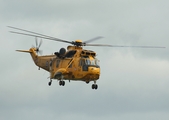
[29, 31]
[138, 46]
[98, 45]
[93, 39]
[49, 38]
[38, 35]
[123, 46]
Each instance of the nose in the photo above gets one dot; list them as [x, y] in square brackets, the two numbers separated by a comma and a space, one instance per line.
[94, 70]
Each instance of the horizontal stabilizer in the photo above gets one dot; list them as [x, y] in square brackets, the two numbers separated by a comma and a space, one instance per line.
[27, 51]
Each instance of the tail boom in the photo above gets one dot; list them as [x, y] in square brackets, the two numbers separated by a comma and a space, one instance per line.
[27, 51]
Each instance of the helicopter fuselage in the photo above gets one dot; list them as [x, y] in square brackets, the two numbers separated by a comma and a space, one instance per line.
[75, 64]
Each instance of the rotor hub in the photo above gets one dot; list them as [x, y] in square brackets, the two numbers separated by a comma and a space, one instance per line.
[78, 43]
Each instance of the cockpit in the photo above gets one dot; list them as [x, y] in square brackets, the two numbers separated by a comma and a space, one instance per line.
[93, 62]
[86, 62]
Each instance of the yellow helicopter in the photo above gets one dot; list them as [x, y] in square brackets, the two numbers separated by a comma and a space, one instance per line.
[75, 63]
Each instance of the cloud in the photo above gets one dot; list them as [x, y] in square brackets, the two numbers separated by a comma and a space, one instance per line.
[133, 82]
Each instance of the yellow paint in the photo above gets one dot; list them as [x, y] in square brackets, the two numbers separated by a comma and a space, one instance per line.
[79, 41]
[79, 67]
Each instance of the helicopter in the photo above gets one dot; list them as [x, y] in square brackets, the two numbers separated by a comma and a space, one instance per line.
[75, 63]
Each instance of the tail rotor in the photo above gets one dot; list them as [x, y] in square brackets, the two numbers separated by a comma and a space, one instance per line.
[38, 45]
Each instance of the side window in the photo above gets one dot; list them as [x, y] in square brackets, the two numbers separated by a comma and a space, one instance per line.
[92, 62]
[47, 64]
[50, 63]
[81, 62]
[57, 63]
[88, 62]
[97, 62]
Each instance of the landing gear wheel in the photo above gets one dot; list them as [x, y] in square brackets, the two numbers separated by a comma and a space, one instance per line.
[62, 83]
[94, 86]
[50, 83]
[87, 82]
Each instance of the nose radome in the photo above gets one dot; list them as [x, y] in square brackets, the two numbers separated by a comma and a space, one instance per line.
[94, 70]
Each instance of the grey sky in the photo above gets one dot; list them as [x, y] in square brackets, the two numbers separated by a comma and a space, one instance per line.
[133, 83]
